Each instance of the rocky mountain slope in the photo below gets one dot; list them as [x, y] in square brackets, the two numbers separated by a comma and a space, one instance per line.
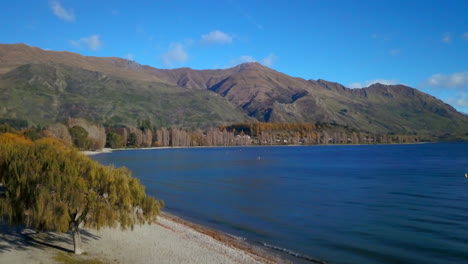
[247, 90]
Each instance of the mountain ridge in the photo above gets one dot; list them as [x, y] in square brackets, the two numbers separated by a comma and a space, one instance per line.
[271, 96]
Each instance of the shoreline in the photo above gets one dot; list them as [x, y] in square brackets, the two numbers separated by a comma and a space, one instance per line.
[239, 243]
[110, 150]
[169, 240]
[264, 252]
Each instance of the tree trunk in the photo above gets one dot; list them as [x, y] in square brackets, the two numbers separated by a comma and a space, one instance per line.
[76, 238]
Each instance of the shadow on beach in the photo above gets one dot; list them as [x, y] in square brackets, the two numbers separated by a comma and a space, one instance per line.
[13, 238]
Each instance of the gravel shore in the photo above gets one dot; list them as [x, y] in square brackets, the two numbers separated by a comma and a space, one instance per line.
[170, 240]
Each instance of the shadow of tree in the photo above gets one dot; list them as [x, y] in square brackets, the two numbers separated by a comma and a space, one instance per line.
[21, 238]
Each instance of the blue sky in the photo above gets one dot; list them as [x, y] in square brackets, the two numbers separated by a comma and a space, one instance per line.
[423, 44]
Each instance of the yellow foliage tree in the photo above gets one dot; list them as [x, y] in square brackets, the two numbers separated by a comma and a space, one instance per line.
[51, 187]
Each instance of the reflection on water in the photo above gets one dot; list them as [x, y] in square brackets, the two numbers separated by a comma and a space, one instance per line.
[343, 204]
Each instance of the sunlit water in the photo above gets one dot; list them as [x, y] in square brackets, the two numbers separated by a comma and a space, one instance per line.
[339, 204]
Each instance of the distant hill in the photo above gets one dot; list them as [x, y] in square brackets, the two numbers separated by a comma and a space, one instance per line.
[119, 90]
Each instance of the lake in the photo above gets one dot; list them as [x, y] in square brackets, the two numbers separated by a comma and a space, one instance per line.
[338, 204]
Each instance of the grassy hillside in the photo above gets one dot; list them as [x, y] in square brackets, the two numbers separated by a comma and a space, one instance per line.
[46, 86]
[46, 93]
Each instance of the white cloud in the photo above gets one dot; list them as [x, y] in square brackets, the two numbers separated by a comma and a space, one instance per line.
[454, 80]
[465, 36]
[370, 82]
[459, 100]
[129, 56]
[462, 101]
[269, 60]
[216, 37]
[395, 51]
[175, 54]
[447, 37]
[61, 12]
[92, 42]
[452, 88]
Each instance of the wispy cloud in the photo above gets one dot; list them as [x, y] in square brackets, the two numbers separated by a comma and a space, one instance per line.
[459, 100]
[456, 80]
[465, 35]
[395, 52]
[176, 53]
[216, 37]
[129, 56]
[92, 42]
[246, 15]
[241, 59]
[370, 82]
[268, 61]
[252, 20]
[61, 12]
[451, 87]
[447, 37]
[143, 33]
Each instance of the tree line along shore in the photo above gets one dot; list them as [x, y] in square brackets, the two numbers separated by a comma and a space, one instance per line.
[86, 135]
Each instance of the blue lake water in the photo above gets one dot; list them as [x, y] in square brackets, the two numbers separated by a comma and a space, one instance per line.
[339, 204]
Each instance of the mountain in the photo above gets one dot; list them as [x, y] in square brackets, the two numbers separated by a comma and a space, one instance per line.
[271, 96]
[246, 91]
[48, 93]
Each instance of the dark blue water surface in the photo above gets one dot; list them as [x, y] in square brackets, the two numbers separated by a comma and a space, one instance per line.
[340, 204]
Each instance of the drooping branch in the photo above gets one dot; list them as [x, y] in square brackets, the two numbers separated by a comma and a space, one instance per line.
[49, 186]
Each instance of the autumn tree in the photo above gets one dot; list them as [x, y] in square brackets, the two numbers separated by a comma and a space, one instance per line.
[80, 137]
[59, 131]
[96, 132]
[51, 187]
[114, 140]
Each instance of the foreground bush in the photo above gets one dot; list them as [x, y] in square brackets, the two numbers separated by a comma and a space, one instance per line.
[50, 187]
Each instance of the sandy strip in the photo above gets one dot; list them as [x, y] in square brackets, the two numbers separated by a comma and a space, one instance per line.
[94, 152]
[170, 240]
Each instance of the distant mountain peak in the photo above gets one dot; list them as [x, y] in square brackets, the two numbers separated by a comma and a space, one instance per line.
[251, 66]
[381, 84]
[251, 63]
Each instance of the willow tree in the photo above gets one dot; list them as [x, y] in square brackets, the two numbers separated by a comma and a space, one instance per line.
[50, 187]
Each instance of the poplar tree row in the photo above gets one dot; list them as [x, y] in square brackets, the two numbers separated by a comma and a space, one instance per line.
[88, 136]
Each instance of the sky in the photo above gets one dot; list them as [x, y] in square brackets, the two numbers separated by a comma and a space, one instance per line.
[422, 44]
